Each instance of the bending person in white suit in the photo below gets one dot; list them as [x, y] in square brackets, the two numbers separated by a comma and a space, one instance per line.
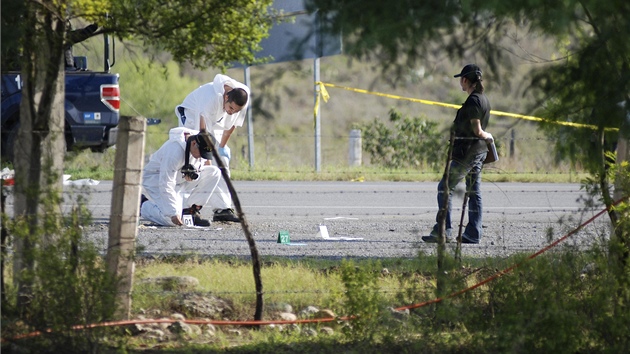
[219, 107]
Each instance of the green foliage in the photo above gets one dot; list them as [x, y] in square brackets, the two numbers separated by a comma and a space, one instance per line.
[402, 34]
[413, 142]
[363, 301]
[560, 303]
[204, 33]
[86, 164]
[11, 34]
[67, 282]
[153, 87]
[153, 91]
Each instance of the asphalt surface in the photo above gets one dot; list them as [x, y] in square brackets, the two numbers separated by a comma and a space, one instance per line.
[363, 219]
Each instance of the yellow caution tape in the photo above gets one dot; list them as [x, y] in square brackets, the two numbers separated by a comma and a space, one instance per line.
[325, 95]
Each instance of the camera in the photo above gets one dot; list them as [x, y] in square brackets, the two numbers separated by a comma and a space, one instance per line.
[189, 171]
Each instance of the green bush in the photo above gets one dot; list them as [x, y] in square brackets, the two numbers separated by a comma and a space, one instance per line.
[363, 300]
[412, 142]
[565, 301]
[557, 303]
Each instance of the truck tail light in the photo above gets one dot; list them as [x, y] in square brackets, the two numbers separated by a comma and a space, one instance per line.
[110, 96]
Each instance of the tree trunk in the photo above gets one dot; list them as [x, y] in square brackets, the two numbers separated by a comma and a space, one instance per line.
[40, 146]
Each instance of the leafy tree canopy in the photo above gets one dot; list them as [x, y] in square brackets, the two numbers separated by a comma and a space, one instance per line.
[203, 32]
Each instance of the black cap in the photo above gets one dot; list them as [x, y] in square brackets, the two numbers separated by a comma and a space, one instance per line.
[468, 70]
[204, 148]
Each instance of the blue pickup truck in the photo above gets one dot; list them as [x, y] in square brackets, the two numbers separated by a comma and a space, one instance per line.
[92, 105]
[91, 110]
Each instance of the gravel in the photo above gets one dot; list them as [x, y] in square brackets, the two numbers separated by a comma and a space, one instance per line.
[384, 237]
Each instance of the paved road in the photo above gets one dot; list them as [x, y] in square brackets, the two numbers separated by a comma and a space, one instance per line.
[369, 219]
[271, 200]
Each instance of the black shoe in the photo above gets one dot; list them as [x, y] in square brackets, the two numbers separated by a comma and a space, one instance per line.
[466, 240]
[199, 221]
[196, 216]
[434, 239]
[225, 215]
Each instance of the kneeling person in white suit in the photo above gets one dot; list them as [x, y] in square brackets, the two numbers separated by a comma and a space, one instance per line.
[176, 181]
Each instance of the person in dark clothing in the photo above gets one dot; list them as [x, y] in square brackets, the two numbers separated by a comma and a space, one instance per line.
[469, 152]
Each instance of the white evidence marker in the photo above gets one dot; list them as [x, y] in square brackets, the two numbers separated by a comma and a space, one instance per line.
[188, 220]
[323, 233]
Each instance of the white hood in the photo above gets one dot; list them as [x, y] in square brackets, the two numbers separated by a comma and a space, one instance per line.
[179, 134]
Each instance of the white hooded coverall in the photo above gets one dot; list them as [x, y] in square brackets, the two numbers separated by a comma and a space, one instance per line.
[162, 182]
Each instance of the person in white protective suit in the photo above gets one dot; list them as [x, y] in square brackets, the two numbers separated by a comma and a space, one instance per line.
[176, 181]
[219, 107]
